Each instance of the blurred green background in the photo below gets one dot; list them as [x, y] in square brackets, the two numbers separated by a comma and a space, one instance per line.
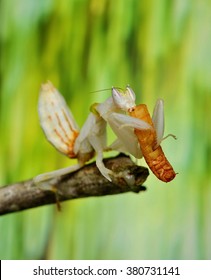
[162, 49]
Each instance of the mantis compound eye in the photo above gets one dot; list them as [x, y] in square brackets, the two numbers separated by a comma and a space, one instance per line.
[124, 100]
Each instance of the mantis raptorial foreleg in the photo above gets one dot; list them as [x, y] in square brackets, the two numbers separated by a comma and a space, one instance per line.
[123, 126]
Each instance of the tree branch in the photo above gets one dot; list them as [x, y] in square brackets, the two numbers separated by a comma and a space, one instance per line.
[83, 183]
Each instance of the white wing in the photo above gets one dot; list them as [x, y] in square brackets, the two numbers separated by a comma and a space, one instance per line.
[56, 120]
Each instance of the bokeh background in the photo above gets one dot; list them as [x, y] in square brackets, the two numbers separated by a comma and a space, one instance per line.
[162, 49]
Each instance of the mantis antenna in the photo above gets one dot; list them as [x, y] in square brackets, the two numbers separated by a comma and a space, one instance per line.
[99, 90]
[105, 89]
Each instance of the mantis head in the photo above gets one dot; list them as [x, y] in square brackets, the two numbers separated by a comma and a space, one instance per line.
[125, 100]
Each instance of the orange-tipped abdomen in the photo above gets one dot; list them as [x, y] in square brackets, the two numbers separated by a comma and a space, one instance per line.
[154, 157]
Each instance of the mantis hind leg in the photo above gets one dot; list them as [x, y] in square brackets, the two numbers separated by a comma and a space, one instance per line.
[103, 170]
[98, 143]
[52, 177]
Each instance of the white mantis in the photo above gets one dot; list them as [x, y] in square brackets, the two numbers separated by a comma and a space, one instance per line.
[63, 133]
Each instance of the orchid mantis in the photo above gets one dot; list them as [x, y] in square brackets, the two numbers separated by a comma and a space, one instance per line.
[119, 111]
[63, 133]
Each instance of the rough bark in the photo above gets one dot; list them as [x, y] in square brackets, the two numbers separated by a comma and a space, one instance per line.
[85, 182]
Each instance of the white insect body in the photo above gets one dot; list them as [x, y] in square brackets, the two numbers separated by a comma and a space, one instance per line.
[63, 133]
